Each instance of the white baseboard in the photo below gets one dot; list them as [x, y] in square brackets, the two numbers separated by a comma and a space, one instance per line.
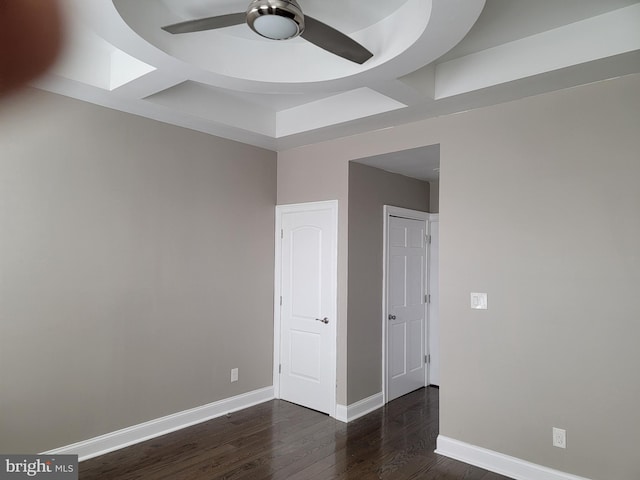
[109, 442]
[341, 413]
[349, 413]
[497, 462]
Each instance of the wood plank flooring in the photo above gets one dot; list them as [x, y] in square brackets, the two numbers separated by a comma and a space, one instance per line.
[278, 440]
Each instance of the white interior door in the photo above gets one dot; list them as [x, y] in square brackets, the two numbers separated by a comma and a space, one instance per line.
[406, 257]
[307, 314]
[434, 304]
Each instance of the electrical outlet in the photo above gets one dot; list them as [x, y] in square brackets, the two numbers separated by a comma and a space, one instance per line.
[559, 438]
[234, 374]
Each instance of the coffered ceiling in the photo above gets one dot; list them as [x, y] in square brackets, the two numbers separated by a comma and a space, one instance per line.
[430, 57]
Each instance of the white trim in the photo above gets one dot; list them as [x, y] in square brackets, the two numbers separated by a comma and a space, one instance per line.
[498, 462]
[333, 363]
[406, 213]
[277, 292]
[360, 408]
[388, 211]
[431, 218]
[109, 442]
[342, 413]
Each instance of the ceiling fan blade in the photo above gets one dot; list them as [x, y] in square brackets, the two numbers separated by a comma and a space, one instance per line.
[330, 39]
[209, 23]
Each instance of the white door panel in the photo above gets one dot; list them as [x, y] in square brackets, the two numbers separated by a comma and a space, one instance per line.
[415, 355]
[305, 355]
[398, 345]
[405, 306]
[308, 310]
[304, 272]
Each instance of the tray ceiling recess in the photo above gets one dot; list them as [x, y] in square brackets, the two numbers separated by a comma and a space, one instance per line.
[236, 84]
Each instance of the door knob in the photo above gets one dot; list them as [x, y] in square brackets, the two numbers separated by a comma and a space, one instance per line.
[324, 320]
[392, 317]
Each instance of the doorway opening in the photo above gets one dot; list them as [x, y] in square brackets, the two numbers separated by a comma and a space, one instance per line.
[408, 179]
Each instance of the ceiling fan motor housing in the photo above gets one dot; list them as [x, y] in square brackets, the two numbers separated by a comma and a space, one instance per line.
[275, 19]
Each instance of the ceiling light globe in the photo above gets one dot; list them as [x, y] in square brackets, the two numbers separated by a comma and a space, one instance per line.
[275, 27]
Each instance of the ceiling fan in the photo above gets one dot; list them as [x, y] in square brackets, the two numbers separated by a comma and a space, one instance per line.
[281, 20]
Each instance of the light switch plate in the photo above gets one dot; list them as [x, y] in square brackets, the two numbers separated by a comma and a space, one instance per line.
[479, 301]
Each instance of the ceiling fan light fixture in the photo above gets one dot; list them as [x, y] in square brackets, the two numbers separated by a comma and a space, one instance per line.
[275, 19]
[275, 27]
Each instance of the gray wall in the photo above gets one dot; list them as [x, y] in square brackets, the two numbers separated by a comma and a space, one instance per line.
[136, 264]
[539, 207]
[121, 296]
[369, 190]
[434, 196]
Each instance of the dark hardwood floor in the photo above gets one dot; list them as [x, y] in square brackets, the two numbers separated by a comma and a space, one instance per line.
[278, 440]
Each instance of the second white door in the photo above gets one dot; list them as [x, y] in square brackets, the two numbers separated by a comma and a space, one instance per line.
[308, 267]
[406, 245]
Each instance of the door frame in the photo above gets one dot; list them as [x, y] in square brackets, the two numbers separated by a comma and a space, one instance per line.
[388, 212]
[331, 205]
[433, 218]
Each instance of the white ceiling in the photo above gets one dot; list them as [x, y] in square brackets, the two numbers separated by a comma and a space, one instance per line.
[431, 57]
[504, 21]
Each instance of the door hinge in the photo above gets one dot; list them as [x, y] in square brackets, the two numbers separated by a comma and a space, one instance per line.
[280, 300]
[281, 233]
[428, 238]
[427, 298]
[427, 359]
[280, 368]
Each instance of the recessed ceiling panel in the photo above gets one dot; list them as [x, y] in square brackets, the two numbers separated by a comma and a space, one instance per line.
[210, 103]
[504, 21]
[400, 35]
[340, 108]
[283, 94]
